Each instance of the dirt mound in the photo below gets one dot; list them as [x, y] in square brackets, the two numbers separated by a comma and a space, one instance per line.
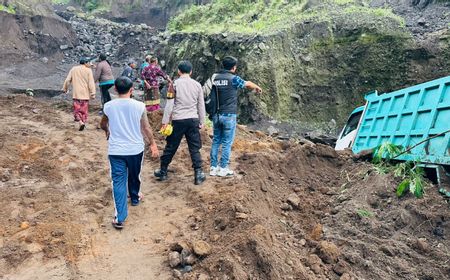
[305, 212]
[32, 37]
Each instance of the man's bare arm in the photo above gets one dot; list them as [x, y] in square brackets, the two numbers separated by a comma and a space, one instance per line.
[104, 124]
[148, 135]
[253, 86]
[147, 130]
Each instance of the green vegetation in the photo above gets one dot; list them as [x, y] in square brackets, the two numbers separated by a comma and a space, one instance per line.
[364, 213]
[60, 2]
[409, 172]
[266, 16]
[9, 9]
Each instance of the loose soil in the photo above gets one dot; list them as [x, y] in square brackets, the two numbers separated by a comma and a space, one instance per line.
[293, 210]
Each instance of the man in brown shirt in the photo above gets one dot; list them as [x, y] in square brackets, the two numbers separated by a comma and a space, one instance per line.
[83, 88]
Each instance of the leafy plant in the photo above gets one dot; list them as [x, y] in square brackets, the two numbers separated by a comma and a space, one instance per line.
[9, 9]
[364, 213]
[386, 152]
[410, 173]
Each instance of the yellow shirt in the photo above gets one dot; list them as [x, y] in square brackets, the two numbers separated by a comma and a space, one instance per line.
[82, 81]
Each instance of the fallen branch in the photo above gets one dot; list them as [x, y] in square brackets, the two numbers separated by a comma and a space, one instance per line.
[421, 142]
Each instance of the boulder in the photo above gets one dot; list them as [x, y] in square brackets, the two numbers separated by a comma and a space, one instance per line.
[202, 248]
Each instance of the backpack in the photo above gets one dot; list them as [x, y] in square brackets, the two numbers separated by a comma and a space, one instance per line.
[211, 97]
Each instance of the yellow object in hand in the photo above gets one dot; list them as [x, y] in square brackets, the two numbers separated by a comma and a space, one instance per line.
[166, 130]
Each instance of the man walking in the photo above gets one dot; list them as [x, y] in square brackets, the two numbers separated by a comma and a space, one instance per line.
[125, 123]
[129, 70]
[227, 84]
[83, 88]
[186, 109]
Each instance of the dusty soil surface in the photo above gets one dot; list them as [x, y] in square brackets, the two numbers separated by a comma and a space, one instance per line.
[293, 211]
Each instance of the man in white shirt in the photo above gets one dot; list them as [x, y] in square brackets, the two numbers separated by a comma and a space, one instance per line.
[125, 123]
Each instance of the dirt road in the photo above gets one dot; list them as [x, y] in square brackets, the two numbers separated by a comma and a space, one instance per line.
[294, 210]
[57, 206]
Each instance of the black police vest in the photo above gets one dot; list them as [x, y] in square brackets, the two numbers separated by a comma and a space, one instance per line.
[228, 99]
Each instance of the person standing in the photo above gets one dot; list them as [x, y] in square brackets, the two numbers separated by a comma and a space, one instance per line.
[125, 123]
[150, 76]
[83, 88]
[186, 109]
[227, 84]
[103, 75]
[129, 70]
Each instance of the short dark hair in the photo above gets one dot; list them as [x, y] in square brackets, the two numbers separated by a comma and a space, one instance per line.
[84, 60]
[123, 85]
[102, 57]
[185, 67]
[229, 62]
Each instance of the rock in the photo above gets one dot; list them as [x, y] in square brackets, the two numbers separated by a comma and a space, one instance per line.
[44, 60]
[321, 139]
[174, 259]
[422, 245]
[302, 242]
[328, 252]
[286, 207]
[272, 131]
[64, 47]
[99, 206]
[71, 9]
[264, 188]
[345, 276]
[262, 46]
[215, 237]
[207, 53]
[180, 246]
[294, 200]
[238, 207]
[24, 225]
[312, 260]
[189, 260]
[387, 250]
[341, 267]
[202, 276]
[5, 174]
[58, 233]
[177, 274]
[241, 216]
[317, 231]
[202, 248]
[108, 47]
[186, 269]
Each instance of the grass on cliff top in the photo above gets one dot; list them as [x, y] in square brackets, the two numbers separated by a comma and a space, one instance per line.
[267, 16]
[9, 9]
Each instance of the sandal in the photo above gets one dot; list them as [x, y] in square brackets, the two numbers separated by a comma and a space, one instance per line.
[117, 225]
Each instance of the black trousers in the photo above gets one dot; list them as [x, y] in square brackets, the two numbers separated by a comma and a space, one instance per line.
[190, 129]
[106, 97]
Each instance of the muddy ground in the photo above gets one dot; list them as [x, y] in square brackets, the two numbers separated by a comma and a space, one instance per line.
[295, 210]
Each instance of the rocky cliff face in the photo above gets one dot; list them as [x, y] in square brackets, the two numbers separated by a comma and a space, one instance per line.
[319, 69]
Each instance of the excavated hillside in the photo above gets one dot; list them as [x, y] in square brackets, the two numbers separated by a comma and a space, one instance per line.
[317, 59]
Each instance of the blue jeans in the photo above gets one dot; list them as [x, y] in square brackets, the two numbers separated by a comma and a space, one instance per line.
[224, 130]
[125, 174]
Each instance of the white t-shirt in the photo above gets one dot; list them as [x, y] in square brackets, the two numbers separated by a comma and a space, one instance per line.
[124, 117]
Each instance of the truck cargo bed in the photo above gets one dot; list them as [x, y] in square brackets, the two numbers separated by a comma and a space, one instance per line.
[406, 117]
